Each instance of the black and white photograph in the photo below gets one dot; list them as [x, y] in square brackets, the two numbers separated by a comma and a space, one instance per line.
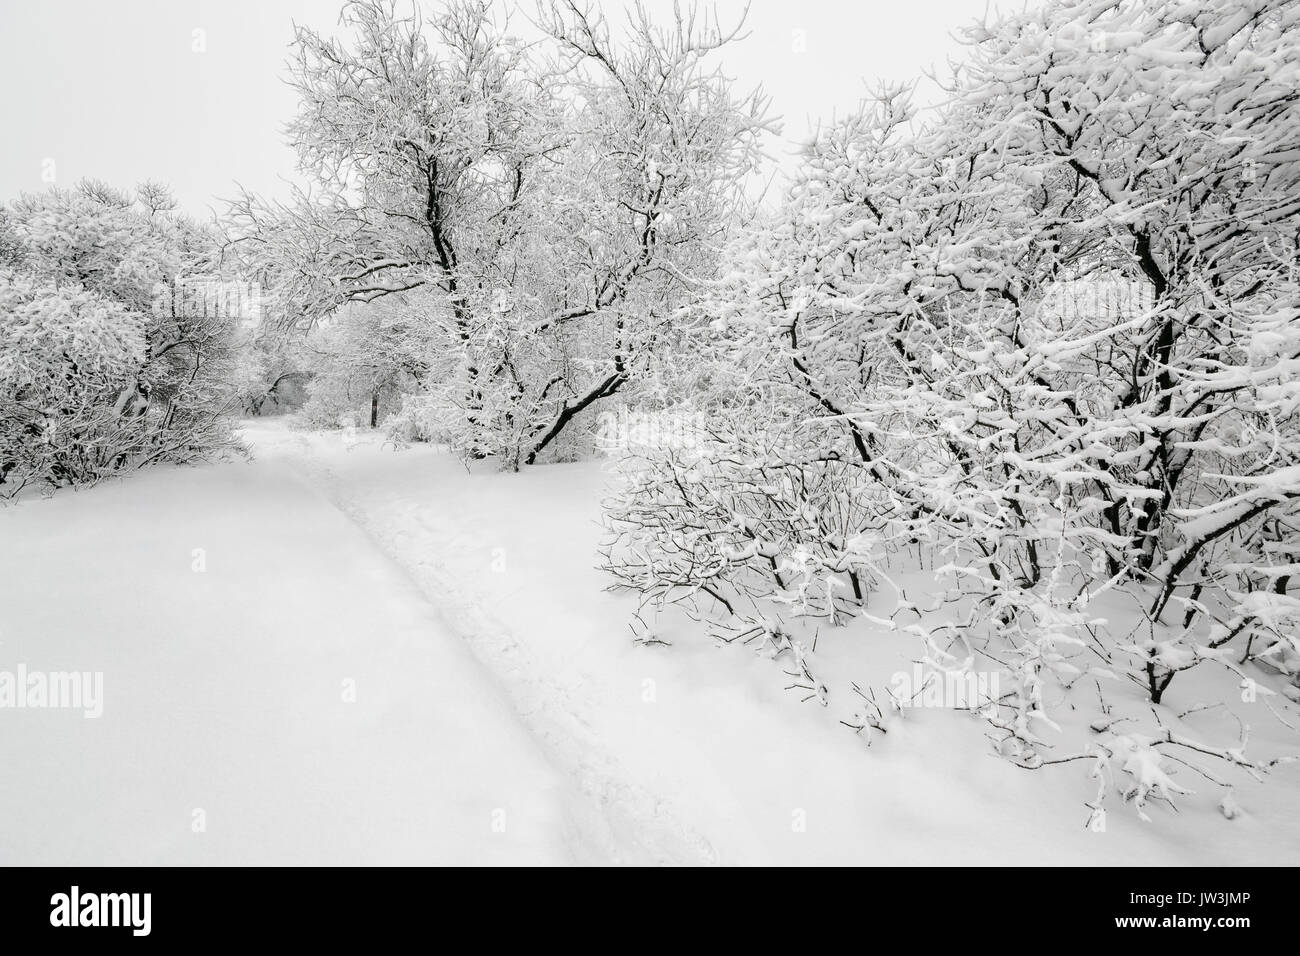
[650, 433]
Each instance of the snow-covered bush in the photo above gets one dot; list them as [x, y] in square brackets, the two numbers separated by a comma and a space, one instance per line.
[64, 353]
[109, 356]
[1138, 455]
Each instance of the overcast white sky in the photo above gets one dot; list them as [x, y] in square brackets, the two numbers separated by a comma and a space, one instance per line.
[118, 91]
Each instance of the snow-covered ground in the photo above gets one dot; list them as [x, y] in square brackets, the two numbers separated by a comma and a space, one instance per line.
[502, 712]
[225, 707]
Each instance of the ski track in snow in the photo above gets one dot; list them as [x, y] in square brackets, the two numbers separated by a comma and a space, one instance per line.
[630, 824]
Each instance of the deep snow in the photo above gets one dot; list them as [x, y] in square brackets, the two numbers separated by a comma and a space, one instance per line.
[224, 690]
[493, 676]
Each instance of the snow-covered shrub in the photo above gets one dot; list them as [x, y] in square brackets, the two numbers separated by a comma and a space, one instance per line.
[1138, 456]
[64, 354]
[109, 358]
[743, 516]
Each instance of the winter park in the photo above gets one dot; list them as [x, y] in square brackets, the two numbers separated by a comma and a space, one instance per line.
[588, 432]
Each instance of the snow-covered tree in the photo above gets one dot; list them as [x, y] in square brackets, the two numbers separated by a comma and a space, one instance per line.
[555, 201]
[365, 358]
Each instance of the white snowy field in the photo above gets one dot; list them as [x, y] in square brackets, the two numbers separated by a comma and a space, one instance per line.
[502, 713]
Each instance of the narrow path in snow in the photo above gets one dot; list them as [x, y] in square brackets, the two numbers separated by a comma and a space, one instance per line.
[629, 823]
[275, 691]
